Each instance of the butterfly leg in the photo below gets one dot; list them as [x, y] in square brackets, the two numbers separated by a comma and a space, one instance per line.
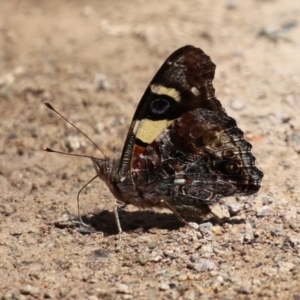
[171, 208]
[118, 219]
[120, 204]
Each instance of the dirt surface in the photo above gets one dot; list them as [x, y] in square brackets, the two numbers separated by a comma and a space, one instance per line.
[93, 60]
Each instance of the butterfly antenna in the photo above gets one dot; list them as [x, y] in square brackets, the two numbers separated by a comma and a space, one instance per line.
[49, 150]
[70, 154]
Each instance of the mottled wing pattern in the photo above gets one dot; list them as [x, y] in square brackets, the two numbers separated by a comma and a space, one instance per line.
[183, 83]
[201, 157]
[186, 76]
[182, 149]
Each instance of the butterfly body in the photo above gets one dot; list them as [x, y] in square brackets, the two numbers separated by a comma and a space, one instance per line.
[182, 151]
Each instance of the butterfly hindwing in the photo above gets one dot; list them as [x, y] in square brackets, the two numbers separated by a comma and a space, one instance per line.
[201, 157]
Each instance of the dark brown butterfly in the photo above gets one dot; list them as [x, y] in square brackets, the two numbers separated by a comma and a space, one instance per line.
[182, 151]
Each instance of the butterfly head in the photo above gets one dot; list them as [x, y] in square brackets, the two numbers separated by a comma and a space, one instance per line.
[103, 167]
[106, 170]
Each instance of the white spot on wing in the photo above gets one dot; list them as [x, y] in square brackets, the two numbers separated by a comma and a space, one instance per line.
[195, 91]
[179, 181]
[136, 126]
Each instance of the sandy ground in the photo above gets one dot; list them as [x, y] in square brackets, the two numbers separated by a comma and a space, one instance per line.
[93, 60]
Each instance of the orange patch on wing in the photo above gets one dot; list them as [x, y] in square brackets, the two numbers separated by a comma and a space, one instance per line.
[137, 150]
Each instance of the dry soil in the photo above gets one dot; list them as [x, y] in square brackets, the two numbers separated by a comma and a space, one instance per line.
[93, 60]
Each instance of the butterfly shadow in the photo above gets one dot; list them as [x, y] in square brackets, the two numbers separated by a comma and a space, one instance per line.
[134, 221]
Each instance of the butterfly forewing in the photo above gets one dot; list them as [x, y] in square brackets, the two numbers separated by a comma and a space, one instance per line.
[183, 83]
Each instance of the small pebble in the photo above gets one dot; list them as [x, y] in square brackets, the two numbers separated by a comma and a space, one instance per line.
[48, 295]
[244, 290]
[172, 295]
[101, 82]
[220, 211]
[168, 252]
[122, 288]
[126, 296]
[207, 249]
[234, 208]
[294, 241]
[152, 245]
[263, 211]
[182, 287]
[190, 295]
[267, 201]
[29, 290]
[247, 258]
[157, 258]
[213, 273]
[63, 292]
[286, 266]
[163, 286]
[93, 297]
[237, 104]
[7, 210]
[258, 233]
[238, 219]
[142, 260]
[182, 277]
[248, 237]
[206, 229]
[73, 143]
[194, 225]
[204, 265]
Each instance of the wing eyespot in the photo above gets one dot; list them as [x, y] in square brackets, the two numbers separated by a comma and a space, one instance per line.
[232, 167]
[159, 106]
[227, 167]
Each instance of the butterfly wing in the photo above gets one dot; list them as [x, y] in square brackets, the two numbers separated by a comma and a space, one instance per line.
[183, 83]
[181, 146]
[201, 157]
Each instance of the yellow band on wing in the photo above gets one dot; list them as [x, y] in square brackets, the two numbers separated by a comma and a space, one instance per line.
[162, 90]
[149, 130]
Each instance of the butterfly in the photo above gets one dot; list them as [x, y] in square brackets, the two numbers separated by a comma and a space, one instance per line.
[182, 151]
